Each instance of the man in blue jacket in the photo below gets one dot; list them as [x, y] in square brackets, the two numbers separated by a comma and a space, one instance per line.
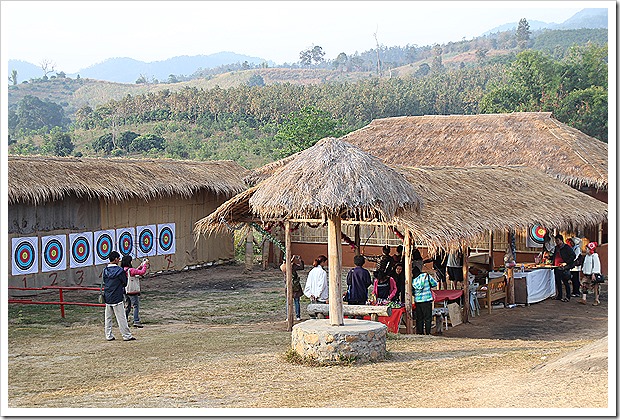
[114, 282]
[358, 280]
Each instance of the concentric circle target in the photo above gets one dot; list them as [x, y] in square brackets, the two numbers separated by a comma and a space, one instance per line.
[165, 239]
[125, 243]
[537, 234]
[104, 246]
[80, 250]
[24, 255]
[146, 241]
[53, 253]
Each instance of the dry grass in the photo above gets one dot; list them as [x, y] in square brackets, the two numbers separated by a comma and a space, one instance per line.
[184, 360]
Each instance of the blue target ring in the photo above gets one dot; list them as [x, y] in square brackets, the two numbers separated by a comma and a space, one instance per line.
[537, 234]
[53, 253]
[125, 243]
[80, 250]
[104, 246]
[24, 256]
[146, 241]
[165, 239]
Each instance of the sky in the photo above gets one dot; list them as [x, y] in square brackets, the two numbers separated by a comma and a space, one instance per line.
[76, 34]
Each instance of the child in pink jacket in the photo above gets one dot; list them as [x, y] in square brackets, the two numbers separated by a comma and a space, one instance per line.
[132, 291]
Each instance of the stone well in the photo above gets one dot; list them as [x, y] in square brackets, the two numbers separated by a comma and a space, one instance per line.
[317, 339]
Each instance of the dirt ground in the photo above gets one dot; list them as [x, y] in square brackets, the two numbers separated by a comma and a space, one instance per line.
[216, 338]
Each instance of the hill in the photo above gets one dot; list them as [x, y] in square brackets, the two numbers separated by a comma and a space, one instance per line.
[584, 19]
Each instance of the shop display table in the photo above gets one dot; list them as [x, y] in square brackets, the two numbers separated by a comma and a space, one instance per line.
[534, 286]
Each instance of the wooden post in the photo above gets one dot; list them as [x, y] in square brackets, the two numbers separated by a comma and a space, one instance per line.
[249, 248]
[600, 233]
[358, 240]
[408, 279]
[289, 276]
[265, 259]
[334, 251]
[491, 246]
[510, 285]
[466, 284]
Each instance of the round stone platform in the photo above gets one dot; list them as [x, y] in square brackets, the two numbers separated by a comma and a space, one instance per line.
[362, 340]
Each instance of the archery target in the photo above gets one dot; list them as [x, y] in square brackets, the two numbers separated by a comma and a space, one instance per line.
[536, 236]
[25, 257]
[125, 242]
[54, 256]
[146, 241]
[81, 249]
[166, 243]
[105, 242]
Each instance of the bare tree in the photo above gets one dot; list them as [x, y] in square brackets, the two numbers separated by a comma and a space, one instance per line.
[378, 59]
[47, 66]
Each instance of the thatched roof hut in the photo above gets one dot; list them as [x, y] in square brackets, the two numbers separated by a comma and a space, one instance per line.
[334, 178]
[533, 139]
[461, 204]
[39, 179]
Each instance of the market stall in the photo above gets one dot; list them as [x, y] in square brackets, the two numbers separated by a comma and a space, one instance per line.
[534, 286]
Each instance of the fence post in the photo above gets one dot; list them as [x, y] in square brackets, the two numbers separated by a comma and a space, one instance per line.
[62, 307]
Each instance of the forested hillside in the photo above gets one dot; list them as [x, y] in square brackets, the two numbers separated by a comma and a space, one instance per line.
[256, 115]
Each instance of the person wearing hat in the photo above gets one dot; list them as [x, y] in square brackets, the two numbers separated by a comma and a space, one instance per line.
[590, 267]
[575, 244]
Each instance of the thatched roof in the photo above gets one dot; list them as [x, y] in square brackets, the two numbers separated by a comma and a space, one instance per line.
[533, 139]
[38, 179]
[462, 204]
[334, 178]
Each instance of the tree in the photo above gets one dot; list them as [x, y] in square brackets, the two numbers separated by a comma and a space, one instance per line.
[125, 139]
[58, 143]
[141, 80]
[302, 129]
[256, 80]
[341, 61]
[481, 55]
[437, 63]
[171, 79]
[523, 34]
[146, 142]
[61, 75]
[33, 113]
[47, 66]
[104, 143]
[13, 77]
[311, 55]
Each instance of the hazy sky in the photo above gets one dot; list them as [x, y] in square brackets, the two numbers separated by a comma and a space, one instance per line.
[77, 34]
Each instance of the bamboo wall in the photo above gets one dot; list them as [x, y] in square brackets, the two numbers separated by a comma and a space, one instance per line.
[75, 215]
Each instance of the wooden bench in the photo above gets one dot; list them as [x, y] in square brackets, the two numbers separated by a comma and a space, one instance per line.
[319, 310]
[495, 290]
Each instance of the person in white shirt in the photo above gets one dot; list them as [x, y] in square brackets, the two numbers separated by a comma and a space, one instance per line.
[590, 267]
[316, 285]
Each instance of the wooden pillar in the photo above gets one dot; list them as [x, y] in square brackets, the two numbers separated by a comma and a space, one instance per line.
[466, 284]
[600, 233]
[358, 240]
[491, 246]
[334, 251]
[408, 279]
[249, 248]
[289, 276]
[265, 260]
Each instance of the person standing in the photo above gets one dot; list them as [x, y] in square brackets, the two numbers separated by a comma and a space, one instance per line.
[317, 289]
[423, 298]
[439, 261]
[399, 278]
[455, 267]
[590, 268]
[114, 282]
[384, 286]
[386, 263]
[417, 262]
[297, 264]
[564, 260]
[398, 257]
[575, 244]
[132, 290]
[358, 281]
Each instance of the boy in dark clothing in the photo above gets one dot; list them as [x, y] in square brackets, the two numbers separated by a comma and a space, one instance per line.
[114, 282]
[358, 281]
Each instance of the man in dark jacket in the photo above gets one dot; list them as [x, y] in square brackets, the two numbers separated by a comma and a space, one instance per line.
[564, 259]
[114, 282]
[358, 280]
